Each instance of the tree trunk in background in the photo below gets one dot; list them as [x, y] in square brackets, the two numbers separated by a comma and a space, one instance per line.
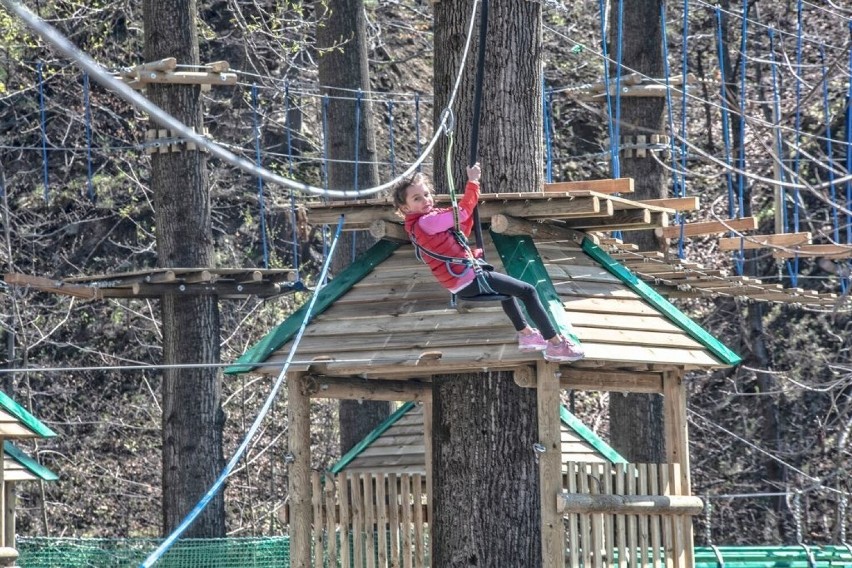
[486, 499]
[342, 72]
[636, 420]
[192, 405]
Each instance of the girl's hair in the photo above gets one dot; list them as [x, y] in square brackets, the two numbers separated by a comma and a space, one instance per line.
[400, 190]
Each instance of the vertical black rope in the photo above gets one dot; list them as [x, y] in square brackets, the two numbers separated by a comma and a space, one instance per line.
[477, 109]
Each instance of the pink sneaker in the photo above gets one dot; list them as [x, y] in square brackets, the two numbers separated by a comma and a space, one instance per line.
[565, 350]
[531, 342]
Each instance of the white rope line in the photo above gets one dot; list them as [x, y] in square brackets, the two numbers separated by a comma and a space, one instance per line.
[52, 36]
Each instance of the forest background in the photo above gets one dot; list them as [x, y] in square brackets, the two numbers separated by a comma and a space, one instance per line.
[769, 440]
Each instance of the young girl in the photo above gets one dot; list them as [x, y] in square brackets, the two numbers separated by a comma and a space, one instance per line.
[432, 231]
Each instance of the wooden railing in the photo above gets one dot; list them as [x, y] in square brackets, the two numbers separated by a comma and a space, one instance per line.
[627, 516]
[369, 521]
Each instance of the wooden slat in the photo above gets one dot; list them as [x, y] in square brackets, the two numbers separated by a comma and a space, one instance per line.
[707, 228]
[632, 529]
[654, 489]
[346, 531]
[382, 519]
[573, 519]
[620, 520]
[642, 520]
[370, 521]
[597, 540]
[618, 185]
[359, 524]
[393, 518]
[405, 494]
[763, 241]
[676, 203]
[631, 219]
[316, 497]
[53, 286]
[585, 518]
[667, 522]
[332, 521]
[827, 251]
[419, 534]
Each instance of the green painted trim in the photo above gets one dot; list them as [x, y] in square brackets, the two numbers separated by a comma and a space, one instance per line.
[665, 307]
[371, 437]
[33, 466]
[522, 261]
[25, 417]
[589, 436]
[329, 294]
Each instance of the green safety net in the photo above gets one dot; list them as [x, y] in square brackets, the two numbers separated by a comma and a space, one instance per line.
[268, 552]
[259, 552]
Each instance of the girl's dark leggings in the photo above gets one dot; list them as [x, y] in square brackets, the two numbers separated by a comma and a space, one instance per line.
[518, 290]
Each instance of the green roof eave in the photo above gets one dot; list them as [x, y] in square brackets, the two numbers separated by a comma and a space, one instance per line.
[346, 459]
[716, 347]
[27, 419]
[589, 436]
[522, 261]
[328, 294]
[29, 463]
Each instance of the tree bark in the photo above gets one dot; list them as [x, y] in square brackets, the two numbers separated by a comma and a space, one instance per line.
[636, 420]
[485, 479]
[486, 500]
[192, 407]
[343, 72]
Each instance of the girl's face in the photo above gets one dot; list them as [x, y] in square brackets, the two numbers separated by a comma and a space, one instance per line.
[418, 199]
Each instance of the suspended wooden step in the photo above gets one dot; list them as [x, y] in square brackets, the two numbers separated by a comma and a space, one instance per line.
[618, 185]
[227, 283]
[165, 71]
[707, 228]
[576, 209]
[827, 251]
[764, 241]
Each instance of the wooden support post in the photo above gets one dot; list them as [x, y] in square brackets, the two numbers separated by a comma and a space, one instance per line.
[382, 229]
[677, 445]
[427, 446]
[550, 464]
[547, 231]
[9, 513]
[301, 513]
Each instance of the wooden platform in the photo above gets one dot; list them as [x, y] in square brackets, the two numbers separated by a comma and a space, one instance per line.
[227, 283]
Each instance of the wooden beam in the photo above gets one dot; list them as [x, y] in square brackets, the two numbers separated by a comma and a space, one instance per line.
[550, 464]
[575, 378]
[185, 78]
[618, 185]
[763, 241]
[707, 228]
[53, 286]
[620, 220]
[507, 225]
[590, 504]
[362, 389]
[299, 434]
[827, 251]
[381, 229]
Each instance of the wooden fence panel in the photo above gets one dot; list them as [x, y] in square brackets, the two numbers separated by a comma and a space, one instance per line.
[630, 524]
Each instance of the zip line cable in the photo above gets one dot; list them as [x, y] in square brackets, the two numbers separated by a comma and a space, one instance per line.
[52, 36]
[238, 454]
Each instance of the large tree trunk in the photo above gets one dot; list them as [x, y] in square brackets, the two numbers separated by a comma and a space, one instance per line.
[342, 72]
[192, 406]
[485, 479]
[636, 420]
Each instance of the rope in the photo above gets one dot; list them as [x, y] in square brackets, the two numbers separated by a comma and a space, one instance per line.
[43, 124]
[294, 229]
[477, 111]
[678, 178]
[616, 165]
[613, 151]
[52, 36]
[87, 109]
[188, 520]
[260, 198]
[417, 123]
[547, 103]
[726, 134]
[391, 155]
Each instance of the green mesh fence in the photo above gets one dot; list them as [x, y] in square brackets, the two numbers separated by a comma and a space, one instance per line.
[260, 552]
